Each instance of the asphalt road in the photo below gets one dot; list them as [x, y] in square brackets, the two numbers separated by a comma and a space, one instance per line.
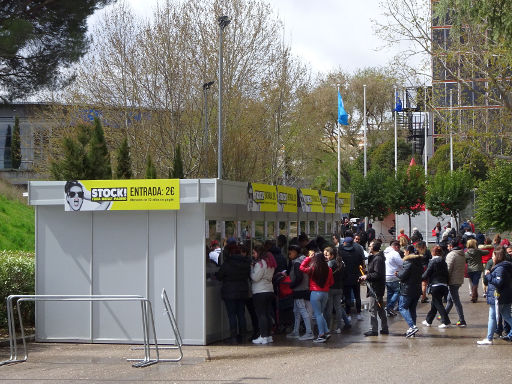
[434, 356]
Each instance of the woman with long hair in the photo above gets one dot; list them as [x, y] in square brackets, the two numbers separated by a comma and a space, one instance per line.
[499, 294]
[262, 272]
[335, 296]
[475, 267]
[320, 280]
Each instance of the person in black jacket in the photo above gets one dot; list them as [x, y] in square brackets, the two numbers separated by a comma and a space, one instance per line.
[437, 276]
[234, 274]
[376, 279]
[353, 258]
[299, 283]
[335, 291]
[410, 288]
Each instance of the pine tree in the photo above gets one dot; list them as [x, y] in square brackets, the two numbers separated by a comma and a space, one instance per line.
[16, 145]
[150, 169]
[98, 155]
[74, 164]
[7, 148]
[177, 166]
[124, 162]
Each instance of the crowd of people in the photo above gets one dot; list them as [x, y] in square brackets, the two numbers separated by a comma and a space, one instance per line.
[310, 288]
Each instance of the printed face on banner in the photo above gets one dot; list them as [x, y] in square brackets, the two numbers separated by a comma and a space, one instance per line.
[328, 201]
[261, 198]
[121, 195]
[286, 199]
[343, 202]
[310, 200]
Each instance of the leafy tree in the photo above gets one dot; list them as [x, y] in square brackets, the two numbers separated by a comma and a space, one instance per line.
[150, 168]
[124, 163]
[37, 38]
[370, 194]
[16, 145]
[98, 155]
[449, 194]
[177, 167]
[465, 156]
[73, 163]
[493, 207]
[384, 154]
[405, 193]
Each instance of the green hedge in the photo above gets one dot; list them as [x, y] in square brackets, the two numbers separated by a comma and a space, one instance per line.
[17, 277]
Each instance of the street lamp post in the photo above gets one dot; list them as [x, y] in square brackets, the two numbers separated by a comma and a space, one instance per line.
[223, 23]
[206, 87]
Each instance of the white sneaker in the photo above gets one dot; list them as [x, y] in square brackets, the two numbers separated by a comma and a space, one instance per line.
[338, 330]
[411, 331]
[426, 324]
[306, 336]
[270, 339]
[359, 317]
[484, 342]
[260, 340]
[444, 325]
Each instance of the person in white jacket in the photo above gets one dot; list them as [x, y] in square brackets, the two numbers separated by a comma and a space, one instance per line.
[394, 263]
[262, 272]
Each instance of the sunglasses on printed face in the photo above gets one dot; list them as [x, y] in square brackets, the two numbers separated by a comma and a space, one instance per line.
[80, 194]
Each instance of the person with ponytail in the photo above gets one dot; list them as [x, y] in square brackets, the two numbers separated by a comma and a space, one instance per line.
[320, 280]
[262, 272]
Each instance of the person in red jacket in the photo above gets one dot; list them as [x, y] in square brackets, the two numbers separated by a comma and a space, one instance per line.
[320, 279]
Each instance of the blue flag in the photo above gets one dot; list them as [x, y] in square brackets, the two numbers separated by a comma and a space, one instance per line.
[398, 103]
[342, 114]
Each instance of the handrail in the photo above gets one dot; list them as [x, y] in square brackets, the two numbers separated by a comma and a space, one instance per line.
[147, 318]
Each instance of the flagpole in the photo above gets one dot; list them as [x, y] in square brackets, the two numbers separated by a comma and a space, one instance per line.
[364, 117]
[426, 160]
[396, 133]
[451, 135]
[339, 152]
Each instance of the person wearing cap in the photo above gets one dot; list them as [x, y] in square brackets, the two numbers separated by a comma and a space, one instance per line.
[300, 287]
[214, 255]
[353, 259]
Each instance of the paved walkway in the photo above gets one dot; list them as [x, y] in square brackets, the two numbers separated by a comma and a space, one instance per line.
[434, 356]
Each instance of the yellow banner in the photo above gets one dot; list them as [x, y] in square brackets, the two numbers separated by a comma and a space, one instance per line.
[261, 198]
[122, 195]
[343, 202]
[328, 201]
[286, 199]
[310, 200]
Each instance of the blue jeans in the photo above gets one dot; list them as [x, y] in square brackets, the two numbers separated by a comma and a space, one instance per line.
[299, 310]
[504, 310]
[318, 301]
[393, 288]
[407, 307]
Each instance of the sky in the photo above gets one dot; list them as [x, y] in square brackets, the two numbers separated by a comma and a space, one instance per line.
[327, 34]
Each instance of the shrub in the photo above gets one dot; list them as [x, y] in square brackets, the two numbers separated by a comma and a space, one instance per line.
[17, 276]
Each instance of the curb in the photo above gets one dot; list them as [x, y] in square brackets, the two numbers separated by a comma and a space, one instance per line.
[28, 339]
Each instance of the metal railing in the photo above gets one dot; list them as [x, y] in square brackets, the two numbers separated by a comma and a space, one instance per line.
[174, 325]
[148, 324]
